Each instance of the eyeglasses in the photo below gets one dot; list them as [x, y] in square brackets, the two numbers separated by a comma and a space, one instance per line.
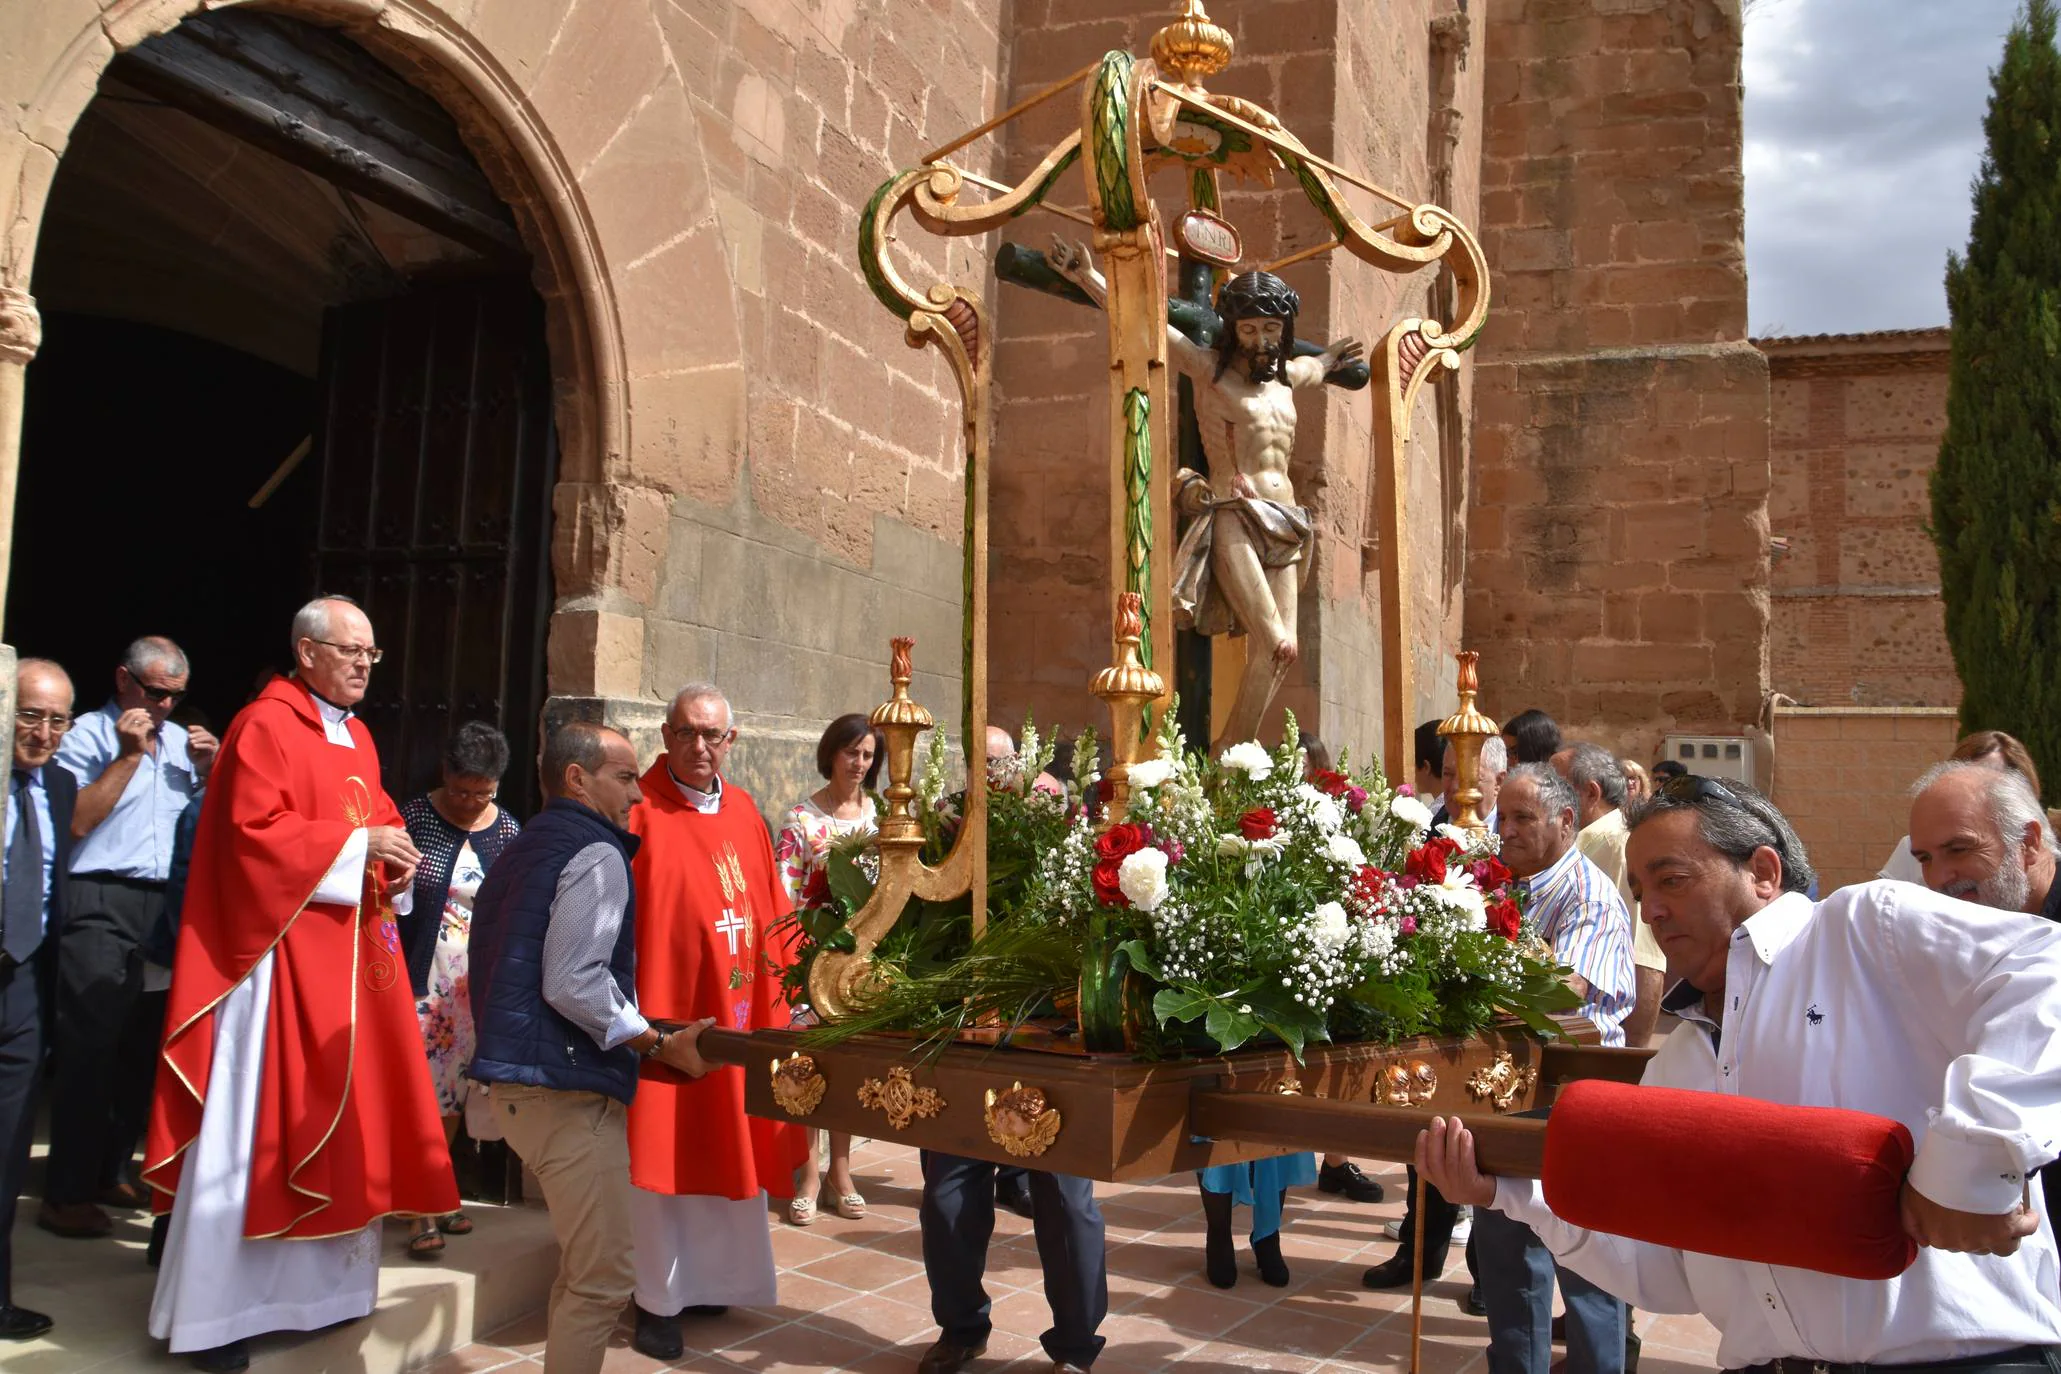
[710, 739]
[355, 652]
[56, 722]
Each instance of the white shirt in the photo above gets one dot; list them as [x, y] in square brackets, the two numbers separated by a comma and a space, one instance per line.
[1889, 999]
[1903, 865]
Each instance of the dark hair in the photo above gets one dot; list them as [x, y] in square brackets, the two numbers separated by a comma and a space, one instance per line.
[1669, 768]
[476, 750]
[1431, 746]
[1735, 820]
[1255, 296]
[1319, 752]
[1535, 734]
[1593, 763]
[840, 735]
[579, 742]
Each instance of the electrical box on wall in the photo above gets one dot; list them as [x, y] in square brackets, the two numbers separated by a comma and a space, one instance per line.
[1714, 756]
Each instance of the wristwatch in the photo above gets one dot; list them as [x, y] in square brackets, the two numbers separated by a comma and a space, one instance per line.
[651, 1050]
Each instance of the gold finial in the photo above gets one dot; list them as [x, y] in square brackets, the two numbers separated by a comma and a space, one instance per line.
[900, 720]
[1192, 47]
[1126, 687]
[1468, 729]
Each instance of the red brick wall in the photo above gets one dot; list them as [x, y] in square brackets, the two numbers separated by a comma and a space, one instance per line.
[1857, 614]
[1843, 778]
[1618, 576]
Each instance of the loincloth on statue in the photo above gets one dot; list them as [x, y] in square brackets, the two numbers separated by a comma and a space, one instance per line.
[1281, 534]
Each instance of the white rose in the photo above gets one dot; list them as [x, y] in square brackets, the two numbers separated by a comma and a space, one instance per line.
[1142, 876]
[1411, 812]
[1151, 772]
[1346, 850]
[1328, 924]
[1248, 758]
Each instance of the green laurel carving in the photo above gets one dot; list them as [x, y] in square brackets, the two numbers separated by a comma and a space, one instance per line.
[869, 252]
[1045, 186]
[1138, 508]
[1202, 189]
[1109, 109]
[1318, 193]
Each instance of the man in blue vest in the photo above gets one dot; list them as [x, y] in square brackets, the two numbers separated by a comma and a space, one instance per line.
[560, 1039]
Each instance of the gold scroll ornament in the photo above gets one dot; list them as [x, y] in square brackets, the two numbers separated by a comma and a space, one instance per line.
[900, 1098]
[1502, 1082]
[797, 1087]
[1021, 1121]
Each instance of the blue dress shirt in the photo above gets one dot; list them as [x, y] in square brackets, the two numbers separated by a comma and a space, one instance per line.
[135, 840]
[39, 796]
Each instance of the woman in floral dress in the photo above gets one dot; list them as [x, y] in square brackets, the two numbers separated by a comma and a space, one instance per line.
[460, 831]
[848, 756]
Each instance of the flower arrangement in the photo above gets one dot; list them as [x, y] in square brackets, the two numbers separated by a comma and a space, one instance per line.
[1235, 898]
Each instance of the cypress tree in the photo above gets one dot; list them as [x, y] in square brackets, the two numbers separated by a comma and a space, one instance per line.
[1996, 494]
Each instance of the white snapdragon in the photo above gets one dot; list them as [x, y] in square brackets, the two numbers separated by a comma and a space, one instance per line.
[1151, 772]
[1248, 758]
[1411, 812]
[1142, 876]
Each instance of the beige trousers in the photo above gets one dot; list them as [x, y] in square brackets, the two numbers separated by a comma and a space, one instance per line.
[578, 1146]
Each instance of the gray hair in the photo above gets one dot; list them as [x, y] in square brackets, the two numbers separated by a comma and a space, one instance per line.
[2012, 803]
[579, 742]
[312, 620]
[1734, 819]
[1556, 794]
[703, 691]
[1495, 755]
[476, 750]
[1592, 763]
[153, 651]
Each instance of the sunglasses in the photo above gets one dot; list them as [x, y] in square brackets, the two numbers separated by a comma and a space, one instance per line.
[1690, 788]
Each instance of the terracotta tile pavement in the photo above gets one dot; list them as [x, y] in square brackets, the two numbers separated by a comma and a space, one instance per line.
[853, 1298]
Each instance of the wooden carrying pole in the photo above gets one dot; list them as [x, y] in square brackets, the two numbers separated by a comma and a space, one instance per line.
[1511, 1146]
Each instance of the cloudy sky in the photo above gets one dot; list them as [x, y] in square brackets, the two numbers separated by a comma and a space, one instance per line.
[1863, 130]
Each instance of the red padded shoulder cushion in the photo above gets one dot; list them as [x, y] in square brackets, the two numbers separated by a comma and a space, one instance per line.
[1807, 1187]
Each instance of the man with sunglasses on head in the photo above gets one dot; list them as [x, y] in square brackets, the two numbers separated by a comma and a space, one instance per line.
[1883, 998]
[136, 772]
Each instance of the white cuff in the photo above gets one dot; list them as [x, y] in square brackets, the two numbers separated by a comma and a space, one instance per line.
[403, 901]
[1968, 1174]
[1520, 1199]
[344, 883]
[628, 1025]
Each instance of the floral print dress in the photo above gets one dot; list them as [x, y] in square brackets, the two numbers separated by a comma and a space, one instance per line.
[445, 1012]
[806, 835]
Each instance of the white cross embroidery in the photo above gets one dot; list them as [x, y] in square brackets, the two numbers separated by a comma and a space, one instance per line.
[729, 925]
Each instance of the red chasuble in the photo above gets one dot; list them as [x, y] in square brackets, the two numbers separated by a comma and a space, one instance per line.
[707, 894]
[347, 1125]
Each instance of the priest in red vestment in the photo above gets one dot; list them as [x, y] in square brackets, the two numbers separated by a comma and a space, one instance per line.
[707, 897]
[293, 1106]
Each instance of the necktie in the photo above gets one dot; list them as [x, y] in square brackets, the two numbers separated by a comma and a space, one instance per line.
[22, 906]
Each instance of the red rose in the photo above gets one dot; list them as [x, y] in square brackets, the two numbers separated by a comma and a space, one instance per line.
[1121, 840]
[1108, 890]
[1257, 824]
[1489, 874]
[1503, 918]
[816, 891]
[1427, 862]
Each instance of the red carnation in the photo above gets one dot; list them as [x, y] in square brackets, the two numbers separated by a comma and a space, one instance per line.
[1119, 841]
[1489, 874]
[1427, 862]
[1257, 824]
[1367, 884]
[816, 891]
[1108, 889]
[1503, 918]
[1327, 781]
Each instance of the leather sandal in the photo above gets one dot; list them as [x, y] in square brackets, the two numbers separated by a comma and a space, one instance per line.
[426, 1245]
[456, 1224]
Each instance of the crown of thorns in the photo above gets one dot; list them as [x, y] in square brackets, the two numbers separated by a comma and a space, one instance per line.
[1261, 294]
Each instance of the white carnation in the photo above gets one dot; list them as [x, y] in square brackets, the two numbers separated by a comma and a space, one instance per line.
[1464, 898]
[1151, 772]
[1346, 850]
[1324, 810]
[1329, 926]
[1463, 838]
[1411, 812]
[1248, 758]
[1142, 876]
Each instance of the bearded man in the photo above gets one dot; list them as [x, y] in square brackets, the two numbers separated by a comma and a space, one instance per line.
[1238, 567]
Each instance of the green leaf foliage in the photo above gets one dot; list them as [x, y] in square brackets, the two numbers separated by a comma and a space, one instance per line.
[1996, 494]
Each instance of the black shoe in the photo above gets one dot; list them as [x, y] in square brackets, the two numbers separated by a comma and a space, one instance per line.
[658, 1337]
[1273, 1269]
[1472, 1304]
[1348, 1179]
[704, 1309]
[223, 1359]
[946, 1357]
[1632, 1345]
[20, 1324]
[1014, 1196]
[1219, 1252]
[1394, 1272]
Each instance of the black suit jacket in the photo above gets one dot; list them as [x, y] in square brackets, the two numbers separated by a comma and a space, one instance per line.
[64, 796]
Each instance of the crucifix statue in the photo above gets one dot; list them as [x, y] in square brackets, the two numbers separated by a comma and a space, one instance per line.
[1239, 566]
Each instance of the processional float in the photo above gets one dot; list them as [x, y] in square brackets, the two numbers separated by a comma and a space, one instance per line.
[1024, 1094]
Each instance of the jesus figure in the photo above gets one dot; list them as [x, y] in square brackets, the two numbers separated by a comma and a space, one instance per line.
[1239, 565]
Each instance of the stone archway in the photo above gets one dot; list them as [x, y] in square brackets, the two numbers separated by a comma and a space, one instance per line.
[54, 69]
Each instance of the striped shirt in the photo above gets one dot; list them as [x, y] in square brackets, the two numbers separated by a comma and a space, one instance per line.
[1577, 910]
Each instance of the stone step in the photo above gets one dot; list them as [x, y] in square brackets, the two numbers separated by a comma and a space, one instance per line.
[99, 1292]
